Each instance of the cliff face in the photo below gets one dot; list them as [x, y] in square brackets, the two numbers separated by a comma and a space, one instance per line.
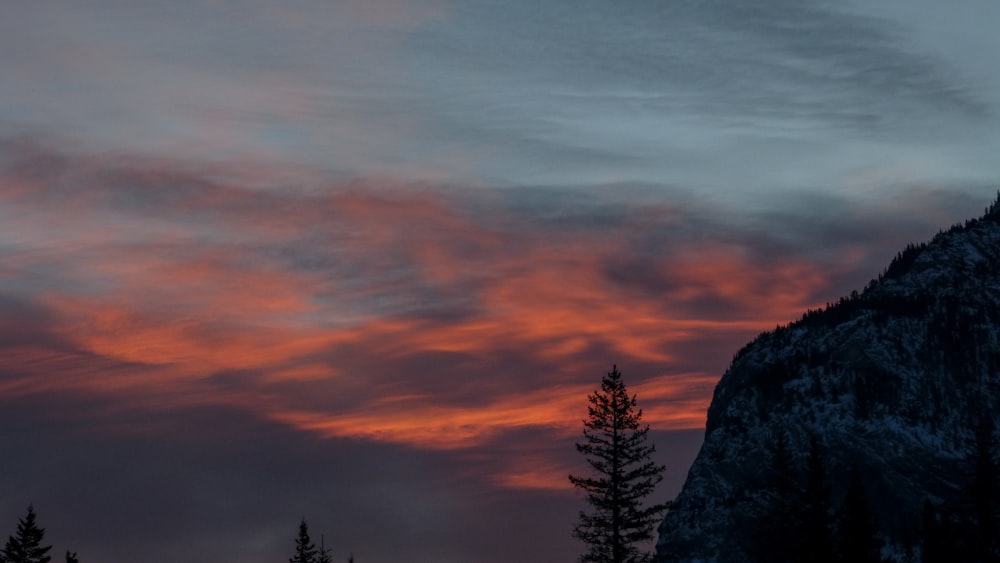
[892, 381]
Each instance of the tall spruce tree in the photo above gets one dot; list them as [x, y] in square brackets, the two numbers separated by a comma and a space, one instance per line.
[938, 538]
[857, 530]
[817, 513]
[618, 451]
[26, 546]
[778, 511]
[305, 549]
[985, 493]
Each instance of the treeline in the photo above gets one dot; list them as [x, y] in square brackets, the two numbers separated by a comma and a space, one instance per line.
[27, 544]
[968, 527]
[885, 304]
[794, 516]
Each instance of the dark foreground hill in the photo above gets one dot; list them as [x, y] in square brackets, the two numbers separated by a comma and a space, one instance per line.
[893, 383]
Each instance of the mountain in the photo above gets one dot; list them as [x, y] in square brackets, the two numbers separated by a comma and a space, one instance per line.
[892, 383]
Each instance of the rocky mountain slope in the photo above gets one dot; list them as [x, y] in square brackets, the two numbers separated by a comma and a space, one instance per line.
[892, 380]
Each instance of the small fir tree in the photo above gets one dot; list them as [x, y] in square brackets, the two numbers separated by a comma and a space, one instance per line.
[71, 557]
[618, 451]
[305, 550]
[324, 552]
[26, 546]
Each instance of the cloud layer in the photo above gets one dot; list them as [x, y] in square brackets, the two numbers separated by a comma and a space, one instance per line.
[171, 319]
[711, 95]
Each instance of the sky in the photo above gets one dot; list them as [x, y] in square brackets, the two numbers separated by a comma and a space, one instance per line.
[362, 261]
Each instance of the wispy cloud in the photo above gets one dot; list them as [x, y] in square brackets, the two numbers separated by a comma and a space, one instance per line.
[430, 317]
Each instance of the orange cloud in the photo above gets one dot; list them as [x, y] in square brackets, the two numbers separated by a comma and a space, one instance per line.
[420, 421]
[430, 318]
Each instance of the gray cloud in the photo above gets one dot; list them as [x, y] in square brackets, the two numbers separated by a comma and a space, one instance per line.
[411, 299]
[704, 94]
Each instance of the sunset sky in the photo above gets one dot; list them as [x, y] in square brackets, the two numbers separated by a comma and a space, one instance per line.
[362, 261]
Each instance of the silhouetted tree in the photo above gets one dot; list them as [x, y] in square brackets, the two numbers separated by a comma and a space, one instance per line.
[26, 546]
[935, 548]
[817, 517]
[857, 532]
[305, 550]
[985, 493]
[794, 522]
[324, 552]
[617, 448]
[774, 534]
[71, 557]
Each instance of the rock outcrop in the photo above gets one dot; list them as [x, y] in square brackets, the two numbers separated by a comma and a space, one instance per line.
[892, 381]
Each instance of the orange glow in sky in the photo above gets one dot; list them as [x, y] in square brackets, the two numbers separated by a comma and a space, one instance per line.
[398, 315]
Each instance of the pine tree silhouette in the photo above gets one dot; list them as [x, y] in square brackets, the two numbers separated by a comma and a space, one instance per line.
[26, 546]
[817, 516]
[617, 449]
[305, 550]
[324, 552]
[857, 533]
[986, 490]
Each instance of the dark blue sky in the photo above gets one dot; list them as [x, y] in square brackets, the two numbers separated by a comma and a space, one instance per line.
[362, 261]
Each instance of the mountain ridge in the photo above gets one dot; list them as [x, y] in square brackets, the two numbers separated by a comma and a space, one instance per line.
[891, 380]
